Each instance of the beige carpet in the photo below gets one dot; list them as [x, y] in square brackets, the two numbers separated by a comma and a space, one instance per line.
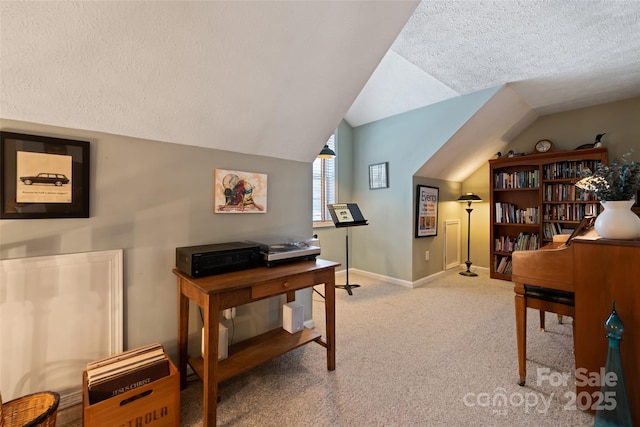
[440, 355]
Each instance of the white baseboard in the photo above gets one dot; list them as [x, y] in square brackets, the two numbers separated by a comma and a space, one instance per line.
[392, 280]
[405, 283]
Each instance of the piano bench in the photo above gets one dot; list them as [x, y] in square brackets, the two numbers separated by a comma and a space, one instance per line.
[548, 300]
[548, 294]
[542, 299]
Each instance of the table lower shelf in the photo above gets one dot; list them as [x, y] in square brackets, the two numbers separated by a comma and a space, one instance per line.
[250, 353]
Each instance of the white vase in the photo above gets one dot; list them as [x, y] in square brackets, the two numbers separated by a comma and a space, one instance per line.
[617, 221]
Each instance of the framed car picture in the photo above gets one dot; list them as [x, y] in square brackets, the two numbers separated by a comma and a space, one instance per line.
[43, 177]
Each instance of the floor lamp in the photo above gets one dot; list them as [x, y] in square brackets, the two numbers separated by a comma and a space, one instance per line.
[469, 198]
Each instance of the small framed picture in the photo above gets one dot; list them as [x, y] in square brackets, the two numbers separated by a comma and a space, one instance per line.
[43, 177]
[379, 176]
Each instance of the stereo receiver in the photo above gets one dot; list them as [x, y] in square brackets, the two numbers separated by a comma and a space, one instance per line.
[206, 260]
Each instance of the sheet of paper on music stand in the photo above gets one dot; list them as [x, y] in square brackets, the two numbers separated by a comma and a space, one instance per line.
[343, 213]
[346, 215]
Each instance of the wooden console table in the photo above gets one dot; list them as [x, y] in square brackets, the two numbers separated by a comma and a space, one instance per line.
[216, 293]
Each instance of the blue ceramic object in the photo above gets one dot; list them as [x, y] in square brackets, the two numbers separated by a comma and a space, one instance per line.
[613, 410]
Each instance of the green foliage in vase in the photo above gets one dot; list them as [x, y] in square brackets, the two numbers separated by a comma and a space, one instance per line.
[620, 180]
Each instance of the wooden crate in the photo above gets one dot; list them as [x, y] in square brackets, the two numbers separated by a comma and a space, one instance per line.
[156, 404]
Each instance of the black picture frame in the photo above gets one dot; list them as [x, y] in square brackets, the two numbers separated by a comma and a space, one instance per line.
[379, 176]
[59, 191]
[427, 211]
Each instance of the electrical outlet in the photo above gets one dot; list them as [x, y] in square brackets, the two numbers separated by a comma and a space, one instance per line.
[229, 313]
[426, 256]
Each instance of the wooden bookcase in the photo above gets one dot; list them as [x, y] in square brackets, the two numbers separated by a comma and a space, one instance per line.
[533, 197]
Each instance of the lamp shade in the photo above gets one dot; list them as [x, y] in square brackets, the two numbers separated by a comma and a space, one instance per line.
[326, 153]
[469, 197]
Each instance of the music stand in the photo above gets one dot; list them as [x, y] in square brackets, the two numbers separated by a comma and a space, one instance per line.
[346, 215]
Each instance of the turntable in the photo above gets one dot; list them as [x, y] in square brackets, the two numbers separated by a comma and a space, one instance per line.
[280, 253]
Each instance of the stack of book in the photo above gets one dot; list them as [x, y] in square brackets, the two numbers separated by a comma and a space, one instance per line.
[126, 371]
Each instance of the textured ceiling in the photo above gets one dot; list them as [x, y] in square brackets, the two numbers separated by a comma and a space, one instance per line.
[274, 78]
[558, 55]
[271, 78]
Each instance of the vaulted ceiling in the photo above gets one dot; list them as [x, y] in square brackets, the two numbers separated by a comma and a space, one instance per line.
[557, 55]
[275, 78]
[270, 78]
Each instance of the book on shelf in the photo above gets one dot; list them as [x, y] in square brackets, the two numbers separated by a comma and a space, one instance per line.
[126, 371]
[523, 242]
[526, 242]
[503, 264]
[519, 179]
[511, 214]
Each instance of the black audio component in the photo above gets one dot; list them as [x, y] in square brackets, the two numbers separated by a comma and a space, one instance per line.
[206, 260]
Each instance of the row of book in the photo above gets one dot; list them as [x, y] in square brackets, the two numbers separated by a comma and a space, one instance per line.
[562, 192]
[566, 170]
[522, 242]
[551, 229]
[125, 371]
[503, 264]
[520, 179]
[570, 211]
[508, 213]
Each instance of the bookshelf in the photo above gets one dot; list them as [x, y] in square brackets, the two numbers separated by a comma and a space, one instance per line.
[533, 198]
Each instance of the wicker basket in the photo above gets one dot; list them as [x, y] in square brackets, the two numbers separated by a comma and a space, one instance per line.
[37, 409]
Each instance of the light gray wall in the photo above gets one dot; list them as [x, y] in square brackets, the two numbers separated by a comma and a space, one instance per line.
[448, 209]
[148, 198]
[332, 239]
[407, 141]
[477, 183]
[567, 130]
[571, 129]
[388, 246]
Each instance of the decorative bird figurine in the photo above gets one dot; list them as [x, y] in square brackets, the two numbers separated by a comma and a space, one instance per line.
[596, 143]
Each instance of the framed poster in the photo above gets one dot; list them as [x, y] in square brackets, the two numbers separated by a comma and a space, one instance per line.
[239, 192]
[43, 177]
[427, 211]
[379, 176]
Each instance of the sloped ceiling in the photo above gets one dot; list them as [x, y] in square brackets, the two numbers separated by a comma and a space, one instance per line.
[271, 78]
[274, 78]
[556, 55]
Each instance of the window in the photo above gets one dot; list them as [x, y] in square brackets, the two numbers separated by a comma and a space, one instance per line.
[324, 185]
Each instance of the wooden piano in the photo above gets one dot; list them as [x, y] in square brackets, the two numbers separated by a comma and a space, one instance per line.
[597, 272]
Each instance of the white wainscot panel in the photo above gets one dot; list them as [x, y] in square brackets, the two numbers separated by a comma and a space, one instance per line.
[56, 314]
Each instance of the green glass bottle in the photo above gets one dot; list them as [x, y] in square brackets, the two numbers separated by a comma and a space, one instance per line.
[613, 409]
